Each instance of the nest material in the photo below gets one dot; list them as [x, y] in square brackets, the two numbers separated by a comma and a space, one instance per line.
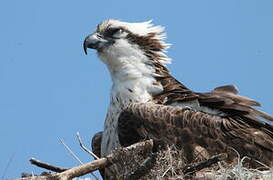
[170, 163]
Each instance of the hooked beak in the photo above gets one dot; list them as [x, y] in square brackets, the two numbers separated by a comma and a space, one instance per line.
[93, 41]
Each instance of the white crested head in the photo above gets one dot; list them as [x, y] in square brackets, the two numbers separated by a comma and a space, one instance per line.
[139, 28]
[115, 39]
[133, 52]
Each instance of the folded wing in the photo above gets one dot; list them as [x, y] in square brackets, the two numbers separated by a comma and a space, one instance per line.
[227, 100]
[188, 128]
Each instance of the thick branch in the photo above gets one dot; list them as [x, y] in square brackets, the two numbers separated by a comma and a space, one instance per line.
[94, 165]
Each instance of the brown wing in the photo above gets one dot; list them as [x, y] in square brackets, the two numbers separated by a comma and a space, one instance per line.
[226, 99]
[175, 125]
[223, 98]
[173, 91]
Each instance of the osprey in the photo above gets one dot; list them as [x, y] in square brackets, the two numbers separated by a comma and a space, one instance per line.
[147, 102]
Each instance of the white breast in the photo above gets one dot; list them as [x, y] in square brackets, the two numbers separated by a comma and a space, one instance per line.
[119, 100]
[110, 136]
[129, 90]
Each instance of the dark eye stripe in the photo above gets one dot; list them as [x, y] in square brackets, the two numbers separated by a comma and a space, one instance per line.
[111, 31]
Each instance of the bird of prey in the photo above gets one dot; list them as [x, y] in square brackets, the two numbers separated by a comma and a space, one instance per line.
[147, 102]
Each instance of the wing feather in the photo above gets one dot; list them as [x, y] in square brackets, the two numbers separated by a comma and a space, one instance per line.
[175, 125]
[226, 99]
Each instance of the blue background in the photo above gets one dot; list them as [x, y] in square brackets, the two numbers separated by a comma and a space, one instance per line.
[50, 90]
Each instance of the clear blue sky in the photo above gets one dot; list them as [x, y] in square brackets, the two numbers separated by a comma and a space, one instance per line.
[49, 89]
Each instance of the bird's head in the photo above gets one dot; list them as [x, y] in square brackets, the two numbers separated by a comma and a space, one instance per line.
[119, 43]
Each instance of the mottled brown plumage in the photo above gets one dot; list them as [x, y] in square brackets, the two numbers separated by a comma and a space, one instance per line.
[186, 127]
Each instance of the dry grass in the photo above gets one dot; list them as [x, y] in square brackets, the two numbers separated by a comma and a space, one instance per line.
[171, 162]
[238, 171]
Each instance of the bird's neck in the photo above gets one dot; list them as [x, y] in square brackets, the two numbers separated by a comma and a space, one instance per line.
[134, 85]
[133, 75]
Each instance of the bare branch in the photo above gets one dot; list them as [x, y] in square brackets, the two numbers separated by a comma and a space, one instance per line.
[46, 165]
[75, 156]
[70, 151]
[108, 160]
[85, 148]
[95, 165]
[7, 166]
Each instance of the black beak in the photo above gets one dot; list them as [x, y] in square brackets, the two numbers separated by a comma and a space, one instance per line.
[93, 41]
[85, 46]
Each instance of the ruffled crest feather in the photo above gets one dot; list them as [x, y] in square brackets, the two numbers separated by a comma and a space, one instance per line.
[143, 29]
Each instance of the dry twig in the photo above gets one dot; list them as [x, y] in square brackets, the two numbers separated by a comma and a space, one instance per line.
[85, 148]
[204, 164]
[95, 165]
[75, 156]
[46, 165]
[71, 152]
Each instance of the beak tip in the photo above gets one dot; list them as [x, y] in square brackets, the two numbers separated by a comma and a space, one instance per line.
[85, 48]
[85, 51]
